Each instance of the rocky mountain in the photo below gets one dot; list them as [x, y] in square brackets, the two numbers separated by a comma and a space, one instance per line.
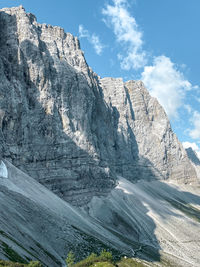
[92, 142]
[71, 130]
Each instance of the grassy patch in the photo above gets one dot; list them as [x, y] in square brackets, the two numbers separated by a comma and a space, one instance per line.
[103, 264]
[10, 264]
[130, 263]
[16, 264]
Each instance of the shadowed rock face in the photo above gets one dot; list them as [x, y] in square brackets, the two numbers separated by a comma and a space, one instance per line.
[71, 130]
[192, 155]
[139, 219]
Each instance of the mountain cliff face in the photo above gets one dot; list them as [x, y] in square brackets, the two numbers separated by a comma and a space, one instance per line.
[68, 128]
[103, 145]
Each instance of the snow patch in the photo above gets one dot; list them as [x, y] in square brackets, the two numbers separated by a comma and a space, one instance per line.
[3, 170]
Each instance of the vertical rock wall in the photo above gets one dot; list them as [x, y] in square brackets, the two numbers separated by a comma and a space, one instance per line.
[71, 130]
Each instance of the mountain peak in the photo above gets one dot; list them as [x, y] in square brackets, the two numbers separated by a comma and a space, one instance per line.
[94, 159]
[71, 130]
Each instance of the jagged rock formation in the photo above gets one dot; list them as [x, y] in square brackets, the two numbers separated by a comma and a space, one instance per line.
[144, 123]
[71, 130]
[78, 135]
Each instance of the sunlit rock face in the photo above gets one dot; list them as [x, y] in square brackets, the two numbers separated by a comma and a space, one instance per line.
[144, 123]
[71, 130]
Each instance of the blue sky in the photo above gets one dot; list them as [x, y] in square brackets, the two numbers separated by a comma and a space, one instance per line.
[153, 40]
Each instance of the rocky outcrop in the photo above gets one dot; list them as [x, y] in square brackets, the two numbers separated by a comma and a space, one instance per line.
[144, 123]
[50, 107]
[71, 130]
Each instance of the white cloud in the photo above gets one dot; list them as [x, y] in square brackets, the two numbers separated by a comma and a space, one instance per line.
[96, 44]
[188, 108]
[195, 120]
[83, 33]
[93, 39]
[127, 33]
[167, 84]
[194, 146]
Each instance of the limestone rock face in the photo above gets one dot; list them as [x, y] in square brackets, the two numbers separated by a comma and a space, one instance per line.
[143, 121]
[50, 108]
[71, 130]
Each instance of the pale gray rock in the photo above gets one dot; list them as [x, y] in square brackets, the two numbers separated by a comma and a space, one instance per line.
[71, 130]
[51, 108]
[139, 219]
[159, 218]
[76, 134]
[36, 224]
[154, 150]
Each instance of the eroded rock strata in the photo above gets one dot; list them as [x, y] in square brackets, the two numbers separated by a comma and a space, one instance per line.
[68, 128]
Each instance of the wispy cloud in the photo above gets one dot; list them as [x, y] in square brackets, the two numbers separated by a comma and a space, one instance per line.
[93, 39]
[98, 46]
[83, 33]
[188, 108]
[194, 146]
[127, 34]
[195, 120]
[167, 84]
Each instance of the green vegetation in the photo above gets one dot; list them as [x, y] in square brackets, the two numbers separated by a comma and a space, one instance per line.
[70, 259]
[130, 263]
[11, 264]
[105, 259]
[34, 264]
[103, 264]
[16, 264]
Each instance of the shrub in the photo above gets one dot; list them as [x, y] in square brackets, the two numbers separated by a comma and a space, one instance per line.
[104, 259]
[103, 264]
[92, 258]
[106, 255]
[70, 259]
[34, 264]
[10, 264]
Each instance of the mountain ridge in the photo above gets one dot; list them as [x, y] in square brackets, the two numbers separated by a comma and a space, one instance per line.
[92, 157]
[86, 126]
